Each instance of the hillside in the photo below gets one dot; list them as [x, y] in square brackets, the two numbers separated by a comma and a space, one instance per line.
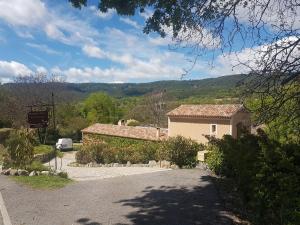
[219, 87]
[178, 88]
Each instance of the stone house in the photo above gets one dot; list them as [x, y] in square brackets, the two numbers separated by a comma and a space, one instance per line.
[123, 131]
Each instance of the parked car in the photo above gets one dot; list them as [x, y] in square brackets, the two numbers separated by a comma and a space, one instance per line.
[64, 144]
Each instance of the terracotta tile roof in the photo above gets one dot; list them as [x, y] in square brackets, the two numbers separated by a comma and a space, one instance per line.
[206, 110]
[145, 133]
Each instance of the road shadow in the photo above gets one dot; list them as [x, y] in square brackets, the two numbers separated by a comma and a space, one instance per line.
[173, 205]
[87, 221]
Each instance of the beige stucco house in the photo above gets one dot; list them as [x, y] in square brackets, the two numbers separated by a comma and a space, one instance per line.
[196, 121]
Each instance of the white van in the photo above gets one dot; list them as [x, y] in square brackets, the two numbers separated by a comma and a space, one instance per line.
[64, 144]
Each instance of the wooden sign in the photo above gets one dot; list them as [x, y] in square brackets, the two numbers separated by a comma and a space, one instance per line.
[38, 119]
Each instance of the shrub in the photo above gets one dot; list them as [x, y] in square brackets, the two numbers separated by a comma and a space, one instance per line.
[36, 166]
[43, 149]
[97, 152]
[83, 156]
[121, 150]
[265, 172]
[181, 151]
[133, 123]
[4, 134]
[20, 148]
[2, 153]
[63, 175]
[215, 159]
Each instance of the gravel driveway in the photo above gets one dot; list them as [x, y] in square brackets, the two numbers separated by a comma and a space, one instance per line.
[95, 173]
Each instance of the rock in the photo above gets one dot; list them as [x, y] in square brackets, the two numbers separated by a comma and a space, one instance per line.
[128, 163]
[165, 164]
[152, 163]
[14, 172]
[23, 172]
[174, 166]
[45, 173]
[32, 173]
[116, 165]
[6, 172]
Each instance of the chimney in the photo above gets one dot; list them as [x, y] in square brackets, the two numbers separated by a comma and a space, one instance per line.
[158, 133]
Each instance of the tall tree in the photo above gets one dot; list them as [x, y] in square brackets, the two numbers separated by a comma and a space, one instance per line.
[100, 107]
[267, 29]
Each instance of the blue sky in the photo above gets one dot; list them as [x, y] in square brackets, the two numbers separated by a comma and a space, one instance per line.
[88, 46]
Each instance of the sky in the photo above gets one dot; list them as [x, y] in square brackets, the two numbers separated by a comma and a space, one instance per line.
[52, 37]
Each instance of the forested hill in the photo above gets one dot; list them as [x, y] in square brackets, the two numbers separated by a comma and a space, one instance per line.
[219, 87]
[178, 88]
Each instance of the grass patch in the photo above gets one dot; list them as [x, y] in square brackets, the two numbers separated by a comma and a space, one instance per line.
[43, 181]
[43, 149]
[77, 146]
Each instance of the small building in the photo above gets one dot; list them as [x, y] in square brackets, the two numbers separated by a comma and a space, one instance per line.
[138, 132]
[197, 121]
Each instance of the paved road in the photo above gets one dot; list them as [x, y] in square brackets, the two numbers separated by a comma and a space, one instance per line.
[95, 173]
[176, 197]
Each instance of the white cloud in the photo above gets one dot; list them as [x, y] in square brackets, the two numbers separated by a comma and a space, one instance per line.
[41, 70]
[9, 70]
[106, 16]
[250, 59]
[57, 25]
[16, 12]
[142, 72]
[278, 14]
[93, 51]
[43, 48]
[130, 22]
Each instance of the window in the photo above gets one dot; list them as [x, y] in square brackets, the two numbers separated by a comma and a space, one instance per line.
[213, 129]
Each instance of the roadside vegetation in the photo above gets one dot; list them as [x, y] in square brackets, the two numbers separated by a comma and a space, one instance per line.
[18, 160]
[179, 151]
[265, 172]
[43, 181]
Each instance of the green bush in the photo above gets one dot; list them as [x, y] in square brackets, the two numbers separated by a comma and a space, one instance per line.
[132, 123]
[3, 152]
[83, 156]
[181, 151]
[266, 173]
[4, 134]
[121, 150]
[20, 148]
[63, 175]
[215, 159]
[36, 166]
[97, 152]
[43, 149]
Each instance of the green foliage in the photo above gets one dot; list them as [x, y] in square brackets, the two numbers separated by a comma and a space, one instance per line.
[63, 175]
[20, 148]
[83, 156]
[77, 146]
[181, 151]
[117, 150]
[4, 134]
[133, 123]
[266, 173]
[43, 149]
[36, 166]
[100, 107]
[3, 153]
[215, 159]
[70, 120]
